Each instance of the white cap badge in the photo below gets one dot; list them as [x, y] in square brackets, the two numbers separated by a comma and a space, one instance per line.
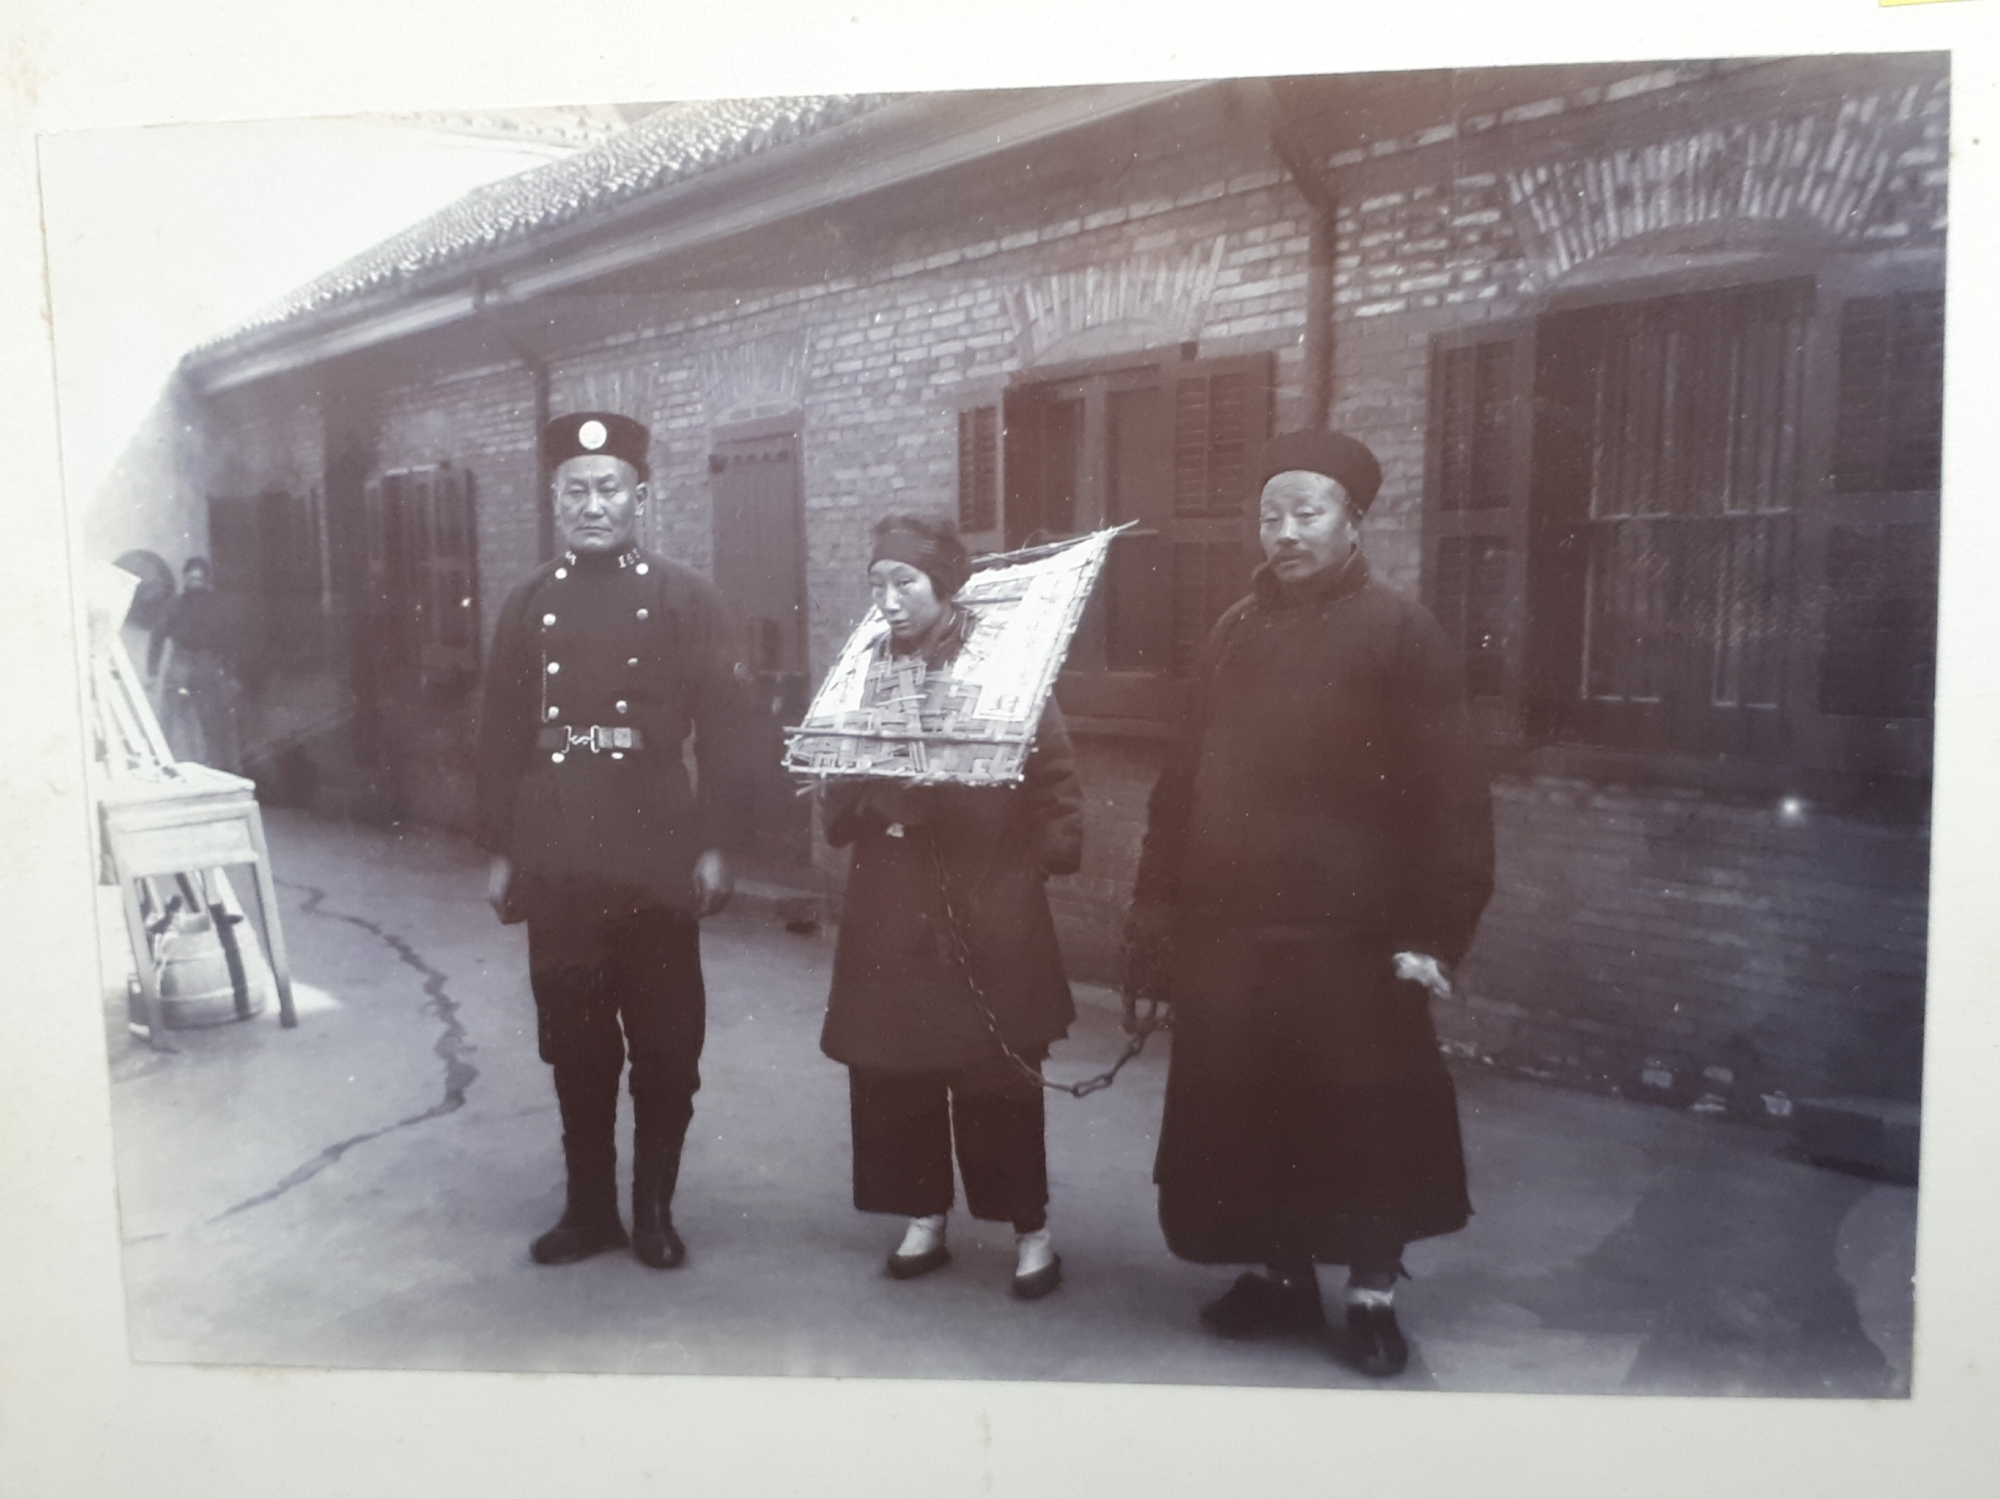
[592, 435]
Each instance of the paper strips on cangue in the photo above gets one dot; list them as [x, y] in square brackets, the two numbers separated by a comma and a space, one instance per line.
[973, 722]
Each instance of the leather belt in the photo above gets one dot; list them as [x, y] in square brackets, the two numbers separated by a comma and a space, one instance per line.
[597, 737]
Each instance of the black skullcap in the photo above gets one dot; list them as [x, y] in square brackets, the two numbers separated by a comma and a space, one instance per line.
[584, 433]
[1341, 458]
[929, 543]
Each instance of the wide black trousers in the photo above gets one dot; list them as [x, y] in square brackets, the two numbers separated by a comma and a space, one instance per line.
[906, 1125]
[608, 986]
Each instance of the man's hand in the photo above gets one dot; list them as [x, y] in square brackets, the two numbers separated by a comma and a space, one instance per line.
[1422, 968]
[713, 884]
[499, 875]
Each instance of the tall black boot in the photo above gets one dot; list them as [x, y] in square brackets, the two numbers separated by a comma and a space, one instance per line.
[589, 1224]
[656, 1170]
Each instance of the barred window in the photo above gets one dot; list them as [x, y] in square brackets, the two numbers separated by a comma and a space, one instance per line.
[1644, 537]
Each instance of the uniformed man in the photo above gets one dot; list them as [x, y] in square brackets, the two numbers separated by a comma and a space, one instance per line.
[603, 662]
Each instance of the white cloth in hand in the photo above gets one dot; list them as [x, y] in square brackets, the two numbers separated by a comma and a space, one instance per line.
[1422, 968]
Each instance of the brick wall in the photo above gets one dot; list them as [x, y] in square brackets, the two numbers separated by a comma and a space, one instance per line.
[1664, 944]
[266, 436]
[1089, 906]
[1433, 234]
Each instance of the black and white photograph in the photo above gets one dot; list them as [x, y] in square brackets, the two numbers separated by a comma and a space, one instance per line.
[1270, 732]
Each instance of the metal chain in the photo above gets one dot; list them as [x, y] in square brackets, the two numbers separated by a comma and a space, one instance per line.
[1153, 1020]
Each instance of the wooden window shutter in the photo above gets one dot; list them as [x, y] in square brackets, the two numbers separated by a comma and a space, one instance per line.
[1889, 433]
[1469, 587]
[979, 463]
[375, 524]
[1475, 520]
[292, 604]
[445, 573]
[1871, 551]
[1221, 410]
[410, 585]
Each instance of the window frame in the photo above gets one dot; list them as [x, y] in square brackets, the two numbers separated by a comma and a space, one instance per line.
[1097, 695]
[1835, 756]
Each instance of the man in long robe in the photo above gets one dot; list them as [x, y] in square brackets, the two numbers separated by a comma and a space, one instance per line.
[1318, 853]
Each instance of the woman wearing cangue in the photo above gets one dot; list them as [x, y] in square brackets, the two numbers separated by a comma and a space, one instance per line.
[948, 987]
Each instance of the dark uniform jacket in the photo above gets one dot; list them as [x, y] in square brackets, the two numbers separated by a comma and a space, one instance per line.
[1323, 811]
[900, 1001]
[634, 643]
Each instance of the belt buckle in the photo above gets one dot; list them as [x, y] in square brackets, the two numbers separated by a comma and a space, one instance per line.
[597, 738]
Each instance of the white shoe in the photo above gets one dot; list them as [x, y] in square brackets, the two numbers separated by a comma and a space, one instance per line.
[1037, 1266]
[922, 1250]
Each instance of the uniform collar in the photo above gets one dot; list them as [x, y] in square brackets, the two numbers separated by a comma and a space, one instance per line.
[592, 561]
[1322, 587]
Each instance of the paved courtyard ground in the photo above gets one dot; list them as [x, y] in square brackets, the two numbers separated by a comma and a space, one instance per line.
[360, 1192]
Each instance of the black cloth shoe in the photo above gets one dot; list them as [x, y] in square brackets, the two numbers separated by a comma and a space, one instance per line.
[1038, 1283]
[577, 1237]
[1259, 1307]
[910, 1266]
[1374, 1344]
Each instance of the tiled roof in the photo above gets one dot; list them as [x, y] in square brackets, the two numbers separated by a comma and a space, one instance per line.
[679, 142]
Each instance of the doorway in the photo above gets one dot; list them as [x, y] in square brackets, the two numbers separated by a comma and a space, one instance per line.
[759, 537]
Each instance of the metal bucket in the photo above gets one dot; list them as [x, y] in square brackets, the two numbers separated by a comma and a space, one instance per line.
[210, 966]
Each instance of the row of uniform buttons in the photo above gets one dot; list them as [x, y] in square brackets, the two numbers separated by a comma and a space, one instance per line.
[555, 667]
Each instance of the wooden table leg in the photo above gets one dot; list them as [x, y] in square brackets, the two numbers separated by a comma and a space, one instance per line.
[274, 936]
[142, 955]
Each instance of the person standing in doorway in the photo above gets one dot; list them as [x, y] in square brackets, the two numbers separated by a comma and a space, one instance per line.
[603, 662]
[1318, 852]
[199, 692]
[948, 987]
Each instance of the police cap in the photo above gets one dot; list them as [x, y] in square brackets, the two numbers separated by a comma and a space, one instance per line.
[585, 433]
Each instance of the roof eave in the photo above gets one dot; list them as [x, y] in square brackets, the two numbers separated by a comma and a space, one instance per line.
[899, 144]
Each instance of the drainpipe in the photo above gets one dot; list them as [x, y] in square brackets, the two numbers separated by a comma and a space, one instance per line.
[538, 370]
[1318, 189]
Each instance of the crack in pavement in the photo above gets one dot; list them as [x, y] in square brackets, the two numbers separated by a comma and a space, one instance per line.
[459, 1074]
